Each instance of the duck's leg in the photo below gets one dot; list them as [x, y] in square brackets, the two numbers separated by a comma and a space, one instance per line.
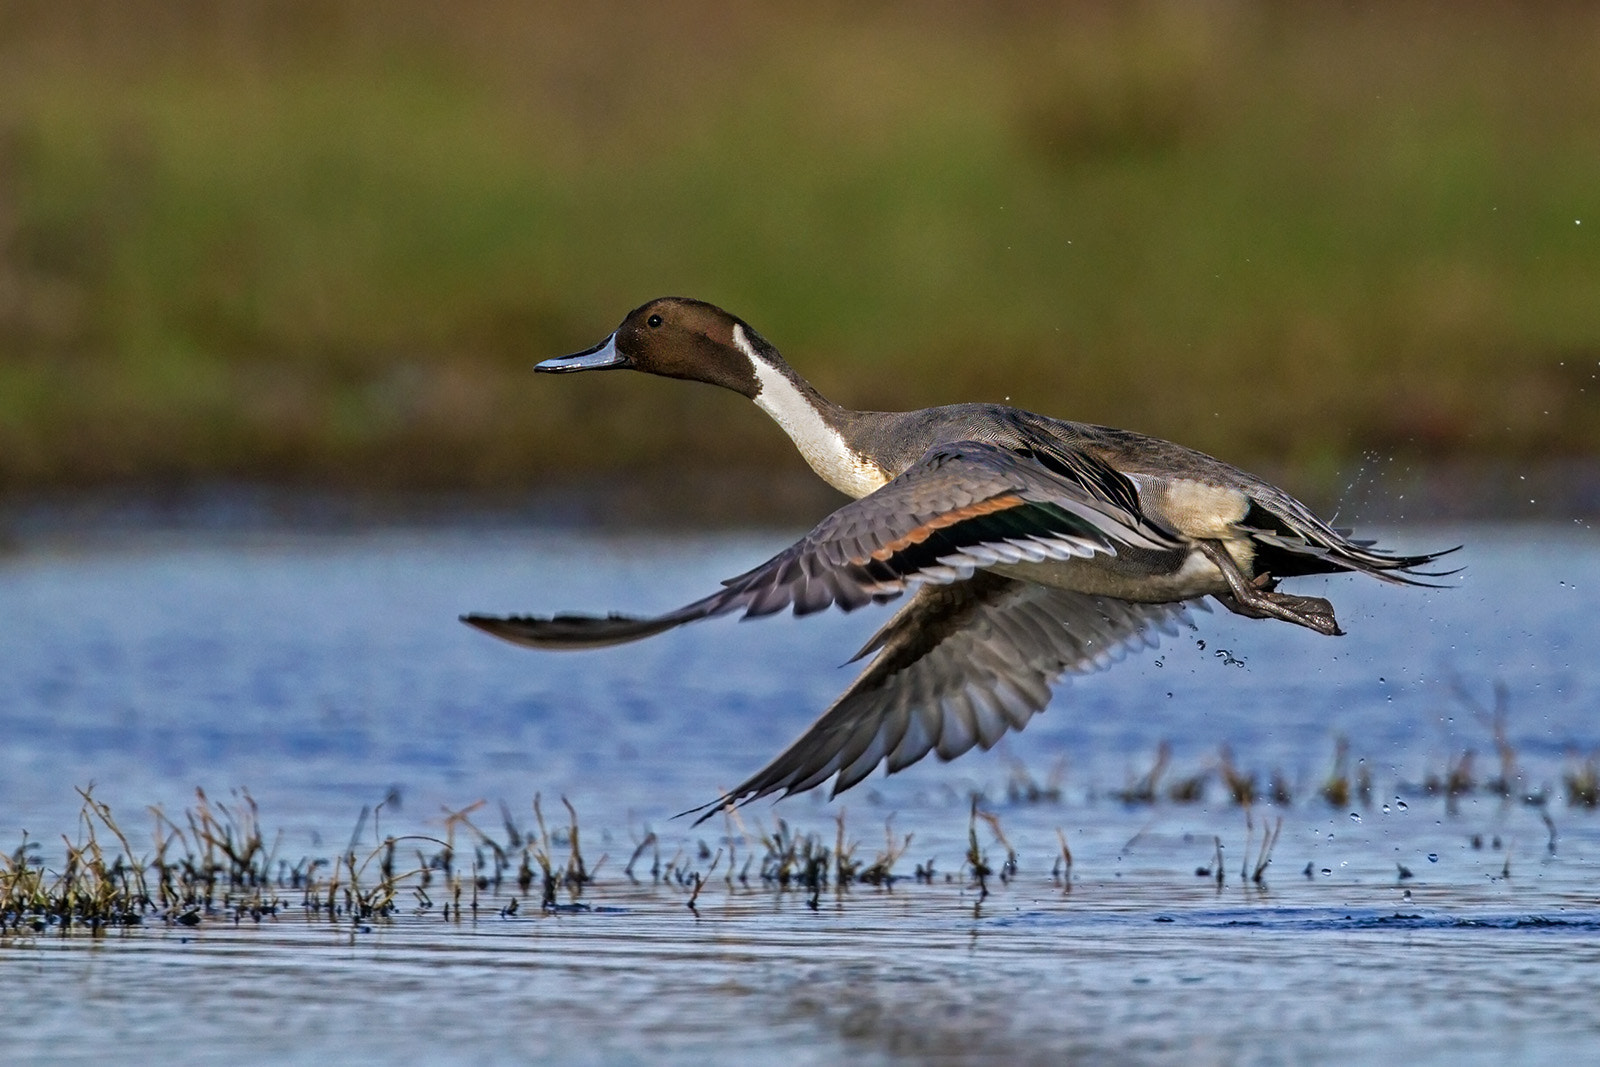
[1259, 600]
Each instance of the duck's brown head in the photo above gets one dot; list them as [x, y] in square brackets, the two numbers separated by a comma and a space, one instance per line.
[675, 337]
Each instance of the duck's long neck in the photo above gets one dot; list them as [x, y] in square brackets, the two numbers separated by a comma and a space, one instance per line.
[815, 425]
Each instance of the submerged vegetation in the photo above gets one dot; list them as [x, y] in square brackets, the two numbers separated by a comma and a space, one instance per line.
[326, 242]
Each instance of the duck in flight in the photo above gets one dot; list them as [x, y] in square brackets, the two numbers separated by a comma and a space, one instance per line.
[1034, 547]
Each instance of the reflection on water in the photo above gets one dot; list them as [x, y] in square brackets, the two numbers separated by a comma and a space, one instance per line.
[322, 672]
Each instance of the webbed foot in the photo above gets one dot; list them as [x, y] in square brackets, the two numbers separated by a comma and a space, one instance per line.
[1257, 598]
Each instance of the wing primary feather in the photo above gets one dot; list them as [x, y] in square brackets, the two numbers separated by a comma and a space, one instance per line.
[957, 667]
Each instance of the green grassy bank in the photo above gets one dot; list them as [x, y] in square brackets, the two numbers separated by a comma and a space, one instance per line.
[323, 243]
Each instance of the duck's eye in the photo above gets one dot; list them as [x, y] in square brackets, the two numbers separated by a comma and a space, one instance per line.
[653, 321]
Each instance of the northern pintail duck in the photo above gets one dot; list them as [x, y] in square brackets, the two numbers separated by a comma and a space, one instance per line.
[1036, 548]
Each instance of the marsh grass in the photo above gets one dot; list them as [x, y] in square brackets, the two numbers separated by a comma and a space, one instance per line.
[213, 864]
[1269, 840]
[1583, 783]
[1346, 788]
[1339, 789]
[1061, 870]
[210, 864]
[216, 862]
[1250, 875]
[325, 242]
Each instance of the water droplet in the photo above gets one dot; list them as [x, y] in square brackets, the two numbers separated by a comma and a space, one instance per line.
[1326, 871]
[1433, 857]
[1398, 803]
[1355, 816]
[1386, 809]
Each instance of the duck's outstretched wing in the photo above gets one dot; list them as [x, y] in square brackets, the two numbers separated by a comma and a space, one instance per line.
[958, 666]
[961, 507]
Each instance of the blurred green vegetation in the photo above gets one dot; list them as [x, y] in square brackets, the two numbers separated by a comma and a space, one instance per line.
[324, 242]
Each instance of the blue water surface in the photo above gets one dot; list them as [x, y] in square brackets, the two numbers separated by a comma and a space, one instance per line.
[326, 672]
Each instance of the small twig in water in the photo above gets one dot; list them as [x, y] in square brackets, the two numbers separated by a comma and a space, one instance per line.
[649, 839]
[1269, 840]
[1065, 860]
[1009, 868]
[975, 858]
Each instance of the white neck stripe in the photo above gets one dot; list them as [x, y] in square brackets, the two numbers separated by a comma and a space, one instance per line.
[821, 445]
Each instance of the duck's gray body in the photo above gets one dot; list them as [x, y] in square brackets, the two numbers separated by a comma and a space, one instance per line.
[1178, 490]
[1037, 547]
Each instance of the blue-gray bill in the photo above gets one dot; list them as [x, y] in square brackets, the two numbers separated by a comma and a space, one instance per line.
[603, 356]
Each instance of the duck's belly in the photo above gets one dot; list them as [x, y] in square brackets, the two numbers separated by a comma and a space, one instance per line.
[1146, 577]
